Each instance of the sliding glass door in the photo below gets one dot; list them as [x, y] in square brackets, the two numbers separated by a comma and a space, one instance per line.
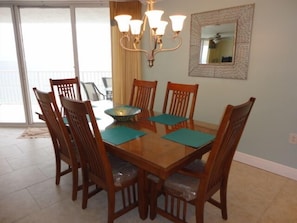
[11, 99]
[93, 43]
[48, 47]
[54, 42]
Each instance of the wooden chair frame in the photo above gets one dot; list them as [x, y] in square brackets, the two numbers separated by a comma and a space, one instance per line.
[205, 179]
[65, 149]
[180, 99]
[143, 94]
[98, 166]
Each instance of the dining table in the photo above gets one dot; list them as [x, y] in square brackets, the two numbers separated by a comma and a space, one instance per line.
[156, 143]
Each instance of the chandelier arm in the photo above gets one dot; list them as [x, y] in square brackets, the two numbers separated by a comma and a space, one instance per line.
[130, 49]
[144, 20]
[170, 49]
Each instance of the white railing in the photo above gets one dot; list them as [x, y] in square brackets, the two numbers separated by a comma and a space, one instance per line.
[10, 87]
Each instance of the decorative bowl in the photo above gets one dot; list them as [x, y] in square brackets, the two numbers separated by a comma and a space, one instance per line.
[123, 113]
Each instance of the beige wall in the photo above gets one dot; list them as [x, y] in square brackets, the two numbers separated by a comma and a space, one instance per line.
[272, 76]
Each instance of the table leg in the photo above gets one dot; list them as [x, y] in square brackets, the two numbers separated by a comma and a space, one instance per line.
[142, 194]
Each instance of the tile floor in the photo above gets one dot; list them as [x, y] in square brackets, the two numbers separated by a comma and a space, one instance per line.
[28, 193]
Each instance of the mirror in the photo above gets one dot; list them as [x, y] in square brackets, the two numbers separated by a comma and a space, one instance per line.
[217, 43]
[208, 29]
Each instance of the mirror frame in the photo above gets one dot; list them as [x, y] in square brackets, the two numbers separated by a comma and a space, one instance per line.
[238, 69]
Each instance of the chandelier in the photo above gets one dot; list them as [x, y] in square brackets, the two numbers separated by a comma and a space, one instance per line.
[157, 30]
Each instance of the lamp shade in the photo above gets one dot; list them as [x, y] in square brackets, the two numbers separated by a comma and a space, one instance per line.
[135, 26]
[177, 22]
[154, 17]
[123, 22]
[161, 28]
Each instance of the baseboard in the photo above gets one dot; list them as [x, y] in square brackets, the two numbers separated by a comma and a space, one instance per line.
[267, 165]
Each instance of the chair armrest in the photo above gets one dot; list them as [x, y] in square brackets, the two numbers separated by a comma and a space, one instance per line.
[40, 116]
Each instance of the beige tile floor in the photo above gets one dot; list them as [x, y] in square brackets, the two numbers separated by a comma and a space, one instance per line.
[28, 193]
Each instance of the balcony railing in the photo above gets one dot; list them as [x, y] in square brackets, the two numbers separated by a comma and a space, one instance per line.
[10, 86]
[11, 99]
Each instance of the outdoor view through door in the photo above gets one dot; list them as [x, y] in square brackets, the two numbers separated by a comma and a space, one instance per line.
[52, 46]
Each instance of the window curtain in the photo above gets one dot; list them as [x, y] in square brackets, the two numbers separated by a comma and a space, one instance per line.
[126, 65]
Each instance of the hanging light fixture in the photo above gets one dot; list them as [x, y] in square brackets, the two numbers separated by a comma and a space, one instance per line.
[157, 30]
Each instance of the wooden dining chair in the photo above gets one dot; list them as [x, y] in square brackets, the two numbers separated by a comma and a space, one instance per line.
[180, 99]
[199, 181]
[64, 147]
[143, 94]
[69, 87]
[106, 171]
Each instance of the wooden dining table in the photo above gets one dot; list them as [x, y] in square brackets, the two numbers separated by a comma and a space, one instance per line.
[152, 153]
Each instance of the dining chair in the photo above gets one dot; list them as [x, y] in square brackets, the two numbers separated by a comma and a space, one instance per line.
[64, 147]
[143, 94]
[106, 171]
[180, 99]
[107, 82]
[92, 91]
[197, 182]
[69, 87]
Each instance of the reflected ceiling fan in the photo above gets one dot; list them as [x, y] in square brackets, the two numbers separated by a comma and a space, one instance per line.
[213, 41]
[217, 38]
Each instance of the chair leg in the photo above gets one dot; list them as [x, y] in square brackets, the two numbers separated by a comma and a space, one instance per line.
[85, 190]
[74, 183]
[143, 194]
[153, 198]
[223, 197]
[111, 207]
[200, 212]
[85, 196]
[58, 171]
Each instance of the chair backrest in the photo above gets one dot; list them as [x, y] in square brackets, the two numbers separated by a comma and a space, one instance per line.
[227, 139]
[69, 87]
[180, 99]
[84, 128]
[143, 94]
[107, 81]
[92, 92]
[58, 131]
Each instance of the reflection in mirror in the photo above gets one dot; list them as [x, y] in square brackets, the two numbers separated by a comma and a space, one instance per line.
[217, 43]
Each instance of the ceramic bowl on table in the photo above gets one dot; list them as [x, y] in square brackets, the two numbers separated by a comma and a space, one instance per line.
[123, 113]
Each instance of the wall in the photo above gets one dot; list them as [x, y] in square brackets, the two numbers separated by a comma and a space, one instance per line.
[272, 77]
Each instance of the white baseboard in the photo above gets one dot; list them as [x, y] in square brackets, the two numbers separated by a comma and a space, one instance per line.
[267, 165]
